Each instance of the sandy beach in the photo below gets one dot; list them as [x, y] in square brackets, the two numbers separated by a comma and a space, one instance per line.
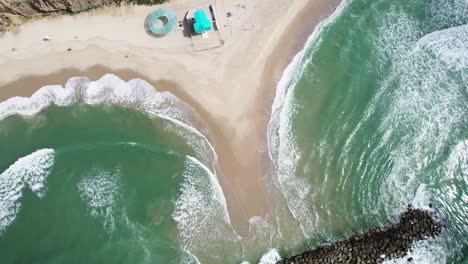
[231, 87]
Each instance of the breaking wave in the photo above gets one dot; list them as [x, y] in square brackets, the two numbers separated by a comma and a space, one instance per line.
[282, 149]
[200, 210]
[201, 214]
[271, 257]
[100, 191]
[417, 151]
[110, 89]
[29, 171]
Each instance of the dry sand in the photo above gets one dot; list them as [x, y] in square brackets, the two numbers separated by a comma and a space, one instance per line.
[231, 87]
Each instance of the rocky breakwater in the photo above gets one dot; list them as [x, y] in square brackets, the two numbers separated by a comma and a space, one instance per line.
[376, 246]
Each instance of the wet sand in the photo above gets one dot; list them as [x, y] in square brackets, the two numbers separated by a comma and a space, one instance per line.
[234, 102]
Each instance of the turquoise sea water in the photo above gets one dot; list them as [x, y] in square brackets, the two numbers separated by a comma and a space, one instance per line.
[370, 117]
[373, 117]
[110, 172]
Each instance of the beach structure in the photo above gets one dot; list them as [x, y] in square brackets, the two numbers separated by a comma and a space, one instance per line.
[160, 22]
[202, 24]
[203, 28]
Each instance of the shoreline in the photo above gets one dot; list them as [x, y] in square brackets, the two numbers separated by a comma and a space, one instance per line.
[236, 112]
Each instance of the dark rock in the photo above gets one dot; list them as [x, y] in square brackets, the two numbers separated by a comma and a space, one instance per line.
[369, 247]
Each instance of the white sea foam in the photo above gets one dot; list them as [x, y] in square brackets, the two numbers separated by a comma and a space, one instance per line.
[447, 12]
[397, 31]
[288, 80]
[109, 89]
[262, 233]
[422, 199]
[423, 252]
[281, 144]
[271, 257]
[203, 148]
[180, 119]
[30, 171]
[448, 46]
[100, 191]
[185, 257]
[430, 105]
[456, 166]
[139, 231]
[201, 214]
[431, 250]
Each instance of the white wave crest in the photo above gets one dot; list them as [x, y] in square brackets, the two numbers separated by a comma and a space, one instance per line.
[282, 147]
[430, 104]
[30, 171]
[422, 199]
[185, 257]
[423, 252]
[448, 46]
[202, 216]
[271, 257]
[100, 191]
[446, 13]
[261, 232]
[135, 94]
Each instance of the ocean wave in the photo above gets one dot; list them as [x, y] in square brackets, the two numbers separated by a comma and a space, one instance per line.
[202, 217]
[417, 116]
[31, 171]
[423, 252]
[282, 148]
[429, 103]
[100, 190]
[201, 210]
[424, 106]
[185, 257]
[135, 94]
[271, 257]
[291, 75]
[262, 233]
[446, 13]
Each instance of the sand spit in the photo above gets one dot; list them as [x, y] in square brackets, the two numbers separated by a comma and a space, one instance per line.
[231, 87]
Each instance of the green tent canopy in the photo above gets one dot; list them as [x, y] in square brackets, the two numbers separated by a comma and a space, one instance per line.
[202, 23]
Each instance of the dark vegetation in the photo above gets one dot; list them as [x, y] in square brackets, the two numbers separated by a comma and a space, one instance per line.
[23, 10]
[5, 23]
[145, 2]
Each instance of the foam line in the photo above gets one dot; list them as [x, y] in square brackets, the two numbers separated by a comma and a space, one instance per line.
[32, 171]
[201, 214]
[282, 149]
[271, 257]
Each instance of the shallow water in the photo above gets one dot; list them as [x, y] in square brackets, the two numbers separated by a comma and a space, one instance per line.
[371, 116]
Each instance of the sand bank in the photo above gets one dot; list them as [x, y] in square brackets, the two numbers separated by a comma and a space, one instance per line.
[231, 87]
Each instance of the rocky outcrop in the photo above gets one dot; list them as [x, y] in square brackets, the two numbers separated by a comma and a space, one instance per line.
[19, 10]
[375, 246]
[28, 8]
